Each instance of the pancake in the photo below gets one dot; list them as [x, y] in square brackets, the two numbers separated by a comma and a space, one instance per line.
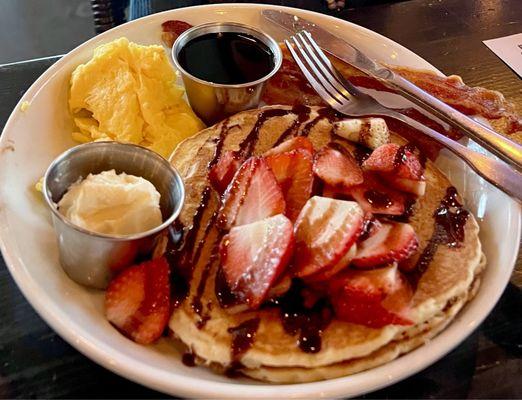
[208, 330]
[409, 340]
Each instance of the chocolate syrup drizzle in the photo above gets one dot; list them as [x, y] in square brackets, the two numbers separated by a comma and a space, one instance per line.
[297, 319]
[196, 304]
[226, 298]
[243, 337]
[247, 145]
[361, 154]
[302, 112]
[450, 220]
[364, 132]
[180, 254]
[378, 199]
[323, 113]
[188, 359]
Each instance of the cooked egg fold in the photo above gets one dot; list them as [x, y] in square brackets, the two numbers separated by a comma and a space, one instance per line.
[128, 93]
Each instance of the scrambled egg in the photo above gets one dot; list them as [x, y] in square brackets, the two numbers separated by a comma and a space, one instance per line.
[24, 106]
[127, 93]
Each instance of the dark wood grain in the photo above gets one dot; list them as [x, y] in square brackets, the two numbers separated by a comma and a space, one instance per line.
[35, 362]
[449, 34]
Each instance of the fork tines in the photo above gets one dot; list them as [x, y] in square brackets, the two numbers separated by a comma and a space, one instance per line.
[318, 69]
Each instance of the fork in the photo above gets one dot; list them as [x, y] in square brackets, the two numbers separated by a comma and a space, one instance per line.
[344, 97]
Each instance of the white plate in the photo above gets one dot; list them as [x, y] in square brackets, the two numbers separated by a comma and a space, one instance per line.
[28, 244]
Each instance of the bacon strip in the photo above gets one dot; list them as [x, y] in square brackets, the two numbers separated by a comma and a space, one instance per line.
[289, 86]
[172, 29]
[469, 100]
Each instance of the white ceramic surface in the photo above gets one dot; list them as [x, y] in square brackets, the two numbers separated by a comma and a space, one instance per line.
[32, 139]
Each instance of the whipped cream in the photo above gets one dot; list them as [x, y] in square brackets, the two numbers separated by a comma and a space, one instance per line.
[114, 204]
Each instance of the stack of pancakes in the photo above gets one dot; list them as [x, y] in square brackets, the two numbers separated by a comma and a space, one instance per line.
[450, 280]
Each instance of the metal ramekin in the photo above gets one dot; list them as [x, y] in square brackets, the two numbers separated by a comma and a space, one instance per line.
[214, 101]
[91, 258]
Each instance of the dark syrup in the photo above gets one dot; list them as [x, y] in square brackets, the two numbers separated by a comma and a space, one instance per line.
[323, 113]
[234, 370]
[364, 133]
[180, 252]
[400, 156]
[302, 114]
[229, 58]
[307, 322]
[378, 199]
[188, 359]
[361, 154]
[243, 337]
[450, 220]
[368, 226]
[224, 295]
[247, 146]
[197, 304]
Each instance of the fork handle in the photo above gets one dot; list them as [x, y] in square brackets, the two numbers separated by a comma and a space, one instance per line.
[495, 172]
[503, 148]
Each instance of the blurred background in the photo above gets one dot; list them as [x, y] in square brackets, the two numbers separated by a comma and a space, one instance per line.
[39, 28]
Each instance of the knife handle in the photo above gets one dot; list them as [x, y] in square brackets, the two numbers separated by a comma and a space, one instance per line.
[503, 148]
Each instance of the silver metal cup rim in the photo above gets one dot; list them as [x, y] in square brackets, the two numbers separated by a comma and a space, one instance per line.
[115, 238]
[190, 34]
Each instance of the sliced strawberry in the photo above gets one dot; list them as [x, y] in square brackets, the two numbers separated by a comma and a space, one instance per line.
[373, 298]
[252, 195]
[298, 142]
[336, 168]
[410, 166]
[370, 226]
[253, 256]
[382, 158]
[224, 170]
[324, 231]
[343, 263]
[372, 195]
[392, 241]
[137, 301]
[280, 287]
[413, 186]
[401, 160]
[293, 172]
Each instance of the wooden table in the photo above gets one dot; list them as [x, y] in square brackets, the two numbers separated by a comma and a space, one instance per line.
[36, 362]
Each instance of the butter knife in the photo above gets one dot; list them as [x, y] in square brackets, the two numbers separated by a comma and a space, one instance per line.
[503, 148]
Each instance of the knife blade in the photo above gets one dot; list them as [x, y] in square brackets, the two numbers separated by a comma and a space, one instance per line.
[328, 42]
[497, 144]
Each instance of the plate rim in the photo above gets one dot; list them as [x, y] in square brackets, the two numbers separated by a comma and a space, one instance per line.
[159, 379]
